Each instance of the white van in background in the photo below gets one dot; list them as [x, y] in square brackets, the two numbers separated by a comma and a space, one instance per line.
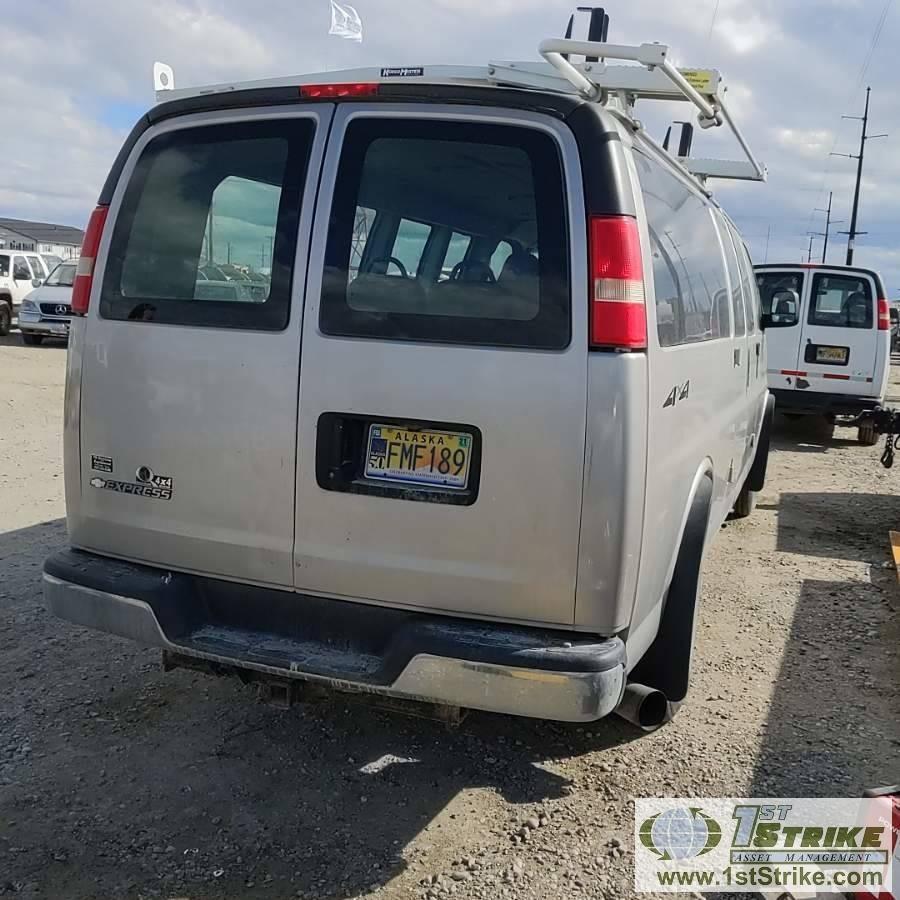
[831, 354]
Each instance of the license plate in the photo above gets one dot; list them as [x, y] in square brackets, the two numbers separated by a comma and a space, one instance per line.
[831, 354]
[439, 458]
[59, 327]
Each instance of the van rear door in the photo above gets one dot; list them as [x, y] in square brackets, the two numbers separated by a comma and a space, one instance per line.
[443, 379]
[190, 353]
[781, 293]
[839, 343]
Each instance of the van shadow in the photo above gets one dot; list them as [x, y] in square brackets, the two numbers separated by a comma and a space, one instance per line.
[805, 436]
[816, 743]
[844, 526]
[136, 782]
[22, 553]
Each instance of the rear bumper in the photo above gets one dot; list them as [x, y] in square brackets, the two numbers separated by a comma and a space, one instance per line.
[342, 644]
[816, 403]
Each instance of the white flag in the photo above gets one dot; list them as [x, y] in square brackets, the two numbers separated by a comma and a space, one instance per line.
[345, 22]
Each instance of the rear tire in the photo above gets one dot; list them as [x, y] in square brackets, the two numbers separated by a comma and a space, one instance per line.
[867, 435]
[5, 318]
[745, 503]
[32, 340]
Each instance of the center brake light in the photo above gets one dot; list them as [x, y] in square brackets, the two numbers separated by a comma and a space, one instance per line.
[335, 91]
[618, 317]
[884, 316]
[84, 272]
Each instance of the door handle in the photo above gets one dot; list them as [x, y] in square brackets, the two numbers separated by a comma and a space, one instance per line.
[737, 357]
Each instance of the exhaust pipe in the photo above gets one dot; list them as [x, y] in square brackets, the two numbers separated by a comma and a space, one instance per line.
[643, 706]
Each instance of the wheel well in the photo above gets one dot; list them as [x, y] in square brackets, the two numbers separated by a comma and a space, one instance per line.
[666, 665]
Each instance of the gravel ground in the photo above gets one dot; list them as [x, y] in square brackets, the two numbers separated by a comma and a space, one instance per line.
[117, 780]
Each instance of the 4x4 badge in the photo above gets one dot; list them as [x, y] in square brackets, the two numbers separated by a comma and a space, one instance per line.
[678, 393]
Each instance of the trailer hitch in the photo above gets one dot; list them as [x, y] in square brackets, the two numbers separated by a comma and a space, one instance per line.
[885, 421]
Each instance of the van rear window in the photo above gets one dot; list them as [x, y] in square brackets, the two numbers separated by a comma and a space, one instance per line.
[841, 301]
[207, 230]
[448, 231]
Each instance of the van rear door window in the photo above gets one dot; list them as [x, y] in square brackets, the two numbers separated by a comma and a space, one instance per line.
[779, 295]
[468, 242]
[207, 231]
[841, 301]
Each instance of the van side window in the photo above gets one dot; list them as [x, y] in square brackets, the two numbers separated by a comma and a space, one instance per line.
[501, 254]
[748, 283]
[669, 298]
[683, 227]
[37, 267]
[362, 225]
[448, 198]
[207, 231]
[457, 248]
[409, 245]
[4, 266]
[21, 272]
[841, 301]
[734, 276]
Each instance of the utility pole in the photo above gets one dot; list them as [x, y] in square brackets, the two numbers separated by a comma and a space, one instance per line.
[768, 235]
[809, 252]
[854, 216]
[828, 223]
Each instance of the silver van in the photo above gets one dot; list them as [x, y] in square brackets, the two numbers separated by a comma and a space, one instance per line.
[500, 381]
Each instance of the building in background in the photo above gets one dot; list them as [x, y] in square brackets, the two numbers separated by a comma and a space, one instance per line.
[63, 241]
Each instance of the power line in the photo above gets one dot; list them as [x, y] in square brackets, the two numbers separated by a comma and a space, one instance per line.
[867, 59]
[712, 23]
[875, 38]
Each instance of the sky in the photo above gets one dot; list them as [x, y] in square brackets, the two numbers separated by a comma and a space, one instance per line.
[76, 75]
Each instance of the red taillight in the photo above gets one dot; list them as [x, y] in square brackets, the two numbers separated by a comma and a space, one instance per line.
[884, 316]
[84, 273]
[618, 308]
[333, 91]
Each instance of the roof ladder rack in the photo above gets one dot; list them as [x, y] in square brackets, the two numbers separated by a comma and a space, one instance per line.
[659, 79]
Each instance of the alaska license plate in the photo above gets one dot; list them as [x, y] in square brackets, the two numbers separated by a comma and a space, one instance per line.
[439, 458]
[831, 354]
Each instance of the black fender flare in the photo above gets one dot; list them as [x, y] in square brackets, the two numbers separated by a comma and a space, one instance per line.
[666, 665]
[756, 478]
